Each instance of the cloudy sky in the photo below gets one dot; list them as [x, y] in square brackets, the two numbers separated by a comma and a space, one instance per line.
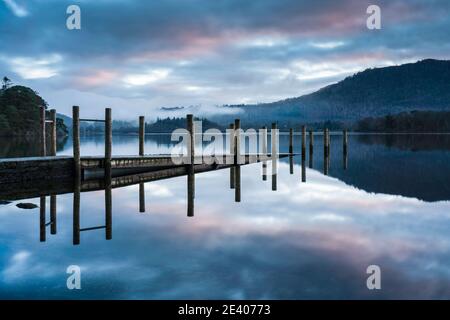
[139, 56]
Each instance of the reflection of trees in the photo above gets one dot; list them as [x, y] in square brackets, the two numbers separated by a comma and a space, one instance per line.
[412, 142]
[26, 146]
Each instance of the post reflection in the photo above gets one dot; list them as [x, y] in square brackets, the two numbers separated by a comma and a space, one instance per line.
[107, 182]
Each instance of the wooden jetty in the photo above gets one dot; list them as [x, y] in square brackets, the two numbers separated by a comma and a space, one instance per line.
[22, 178]
[51, 175]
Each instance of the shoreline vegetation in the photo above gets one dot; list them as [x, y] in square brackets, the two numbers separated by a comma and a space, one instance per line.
[19, 112]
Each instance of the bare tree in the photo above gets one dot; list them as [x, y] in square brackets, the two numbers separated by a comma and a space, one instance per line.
[6, 83]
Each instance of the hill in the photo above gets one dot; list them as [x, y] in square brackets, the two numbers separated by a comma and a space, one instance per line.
[424, 85]
[19, 112]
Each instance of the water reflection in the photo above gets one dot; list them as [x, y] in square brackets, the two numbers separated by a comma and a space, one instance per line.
[307, 240]
[310, 240]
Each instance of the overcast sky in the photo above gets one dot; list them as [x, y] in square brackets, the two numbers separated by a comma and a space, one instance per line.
[138, 56]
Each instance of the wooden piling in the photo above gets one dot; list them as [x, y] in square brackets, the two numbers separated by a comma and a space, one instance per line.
[328, 142]
[76, 213]
[108, 211]
[231, 137]
[345, 140]
[345, 148]
[141, 135]
[108, 174]
[291, 164]
[325, 151]
[291, 141]
[42, 219]
[237, 141]
[237, 160]
[108, 142]
[303, 142]
[141, 197]
[291, 151]
[264, 152]
[42, 134]
[191, 169]
[53, 132]
[76, 141]
[53, 214]
[274, 155]
[311, 148]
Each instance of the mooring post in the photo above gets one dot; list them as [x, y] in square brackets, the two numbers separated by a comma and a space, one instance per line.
[53, 153]
[77, 178]
[264, 152]
[303, 142]
[141, 135]
[325, 151]
[141, 197]
[42, 219]
[231, 138]
[76, 213]
[291, 151]
[303, 164]
[108, 174]
[141, 153]
[42, 131]
[311, 148]
[108, 142]
[76, 141]
[53, 131]
[191, 169]
[291, 141]
[345, 149]
[237, 160]
[274, 155]
[108, 211]
[328, 142]
[237, 141]
[53, 214]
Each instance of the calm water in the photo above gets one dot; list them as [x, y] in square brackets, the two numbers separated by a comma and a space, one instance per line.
[306, 240]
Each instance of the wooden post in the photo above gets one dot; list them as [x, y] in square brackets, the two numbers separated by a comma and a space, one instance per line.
[42, 219]
[328, 142]
[291, 141]
[108, 211]
[237, 141]
[108, 174]
[76, 213]
[345, 149]
[264, 153]
[345, 140]
[304, 153]
[237, 160]
[291, 151]
[141, 135]
[141, 197]
[53, 131]
[325, 151]
[42, 131]
[291, 164]
[108, 142]
[231, 137]
[274, 155]
[76, 141]
[311, 148]
[303, 142]
[191, 169]
[53, 214]
[53, 153]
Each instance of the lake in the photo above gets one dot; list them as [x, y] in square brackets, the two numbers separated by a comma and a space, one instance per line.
[314, 240]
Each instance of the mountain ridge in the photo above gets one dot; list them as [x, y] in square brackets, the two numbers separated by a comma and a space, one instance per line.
[422, 85]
